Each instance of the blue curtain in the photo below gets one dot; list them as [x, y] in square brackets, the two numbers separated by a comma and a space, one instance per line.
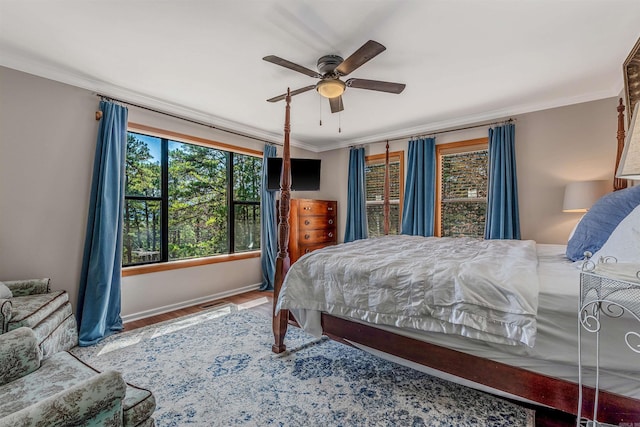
[503, 220]
[268, 225]
[98, 308]
[356, 198]
[419, 196]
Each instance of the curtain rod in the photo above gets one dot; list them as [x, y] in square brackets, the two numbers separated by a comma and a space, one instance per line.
[413, 135]
[278, 143]
[186, 119]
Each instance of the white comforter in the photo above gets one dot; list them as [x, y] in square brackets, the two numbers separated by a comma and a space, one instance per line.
[481, 289]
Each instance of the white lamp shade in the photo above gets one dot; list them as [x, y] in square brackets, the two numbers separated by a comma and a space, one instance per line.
[579, 196]
[629, 167]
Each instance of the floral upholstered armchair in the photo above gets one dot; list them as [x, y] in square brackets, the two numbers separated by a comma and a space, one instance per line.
[62, 390]
[32, 304]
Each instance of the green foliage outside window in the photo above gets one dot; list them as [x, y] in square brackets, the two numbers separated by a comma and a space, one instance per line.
[142, 211]
[198, 208]
[246, 187]
[197, 201]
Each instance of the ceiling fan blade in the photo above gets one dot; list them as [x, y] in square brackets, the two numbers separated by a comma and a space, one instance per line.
[336, 104]
[290, 65]
[375, 85]
[366, 52]
[294, 92]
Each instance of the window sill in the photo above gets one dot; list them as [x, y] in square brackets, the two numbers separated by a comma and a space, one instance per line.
[174, 265]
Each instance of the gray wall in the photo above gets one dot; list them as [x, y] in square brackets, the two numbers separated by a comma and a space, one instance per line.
[553, 147]
[47, 142]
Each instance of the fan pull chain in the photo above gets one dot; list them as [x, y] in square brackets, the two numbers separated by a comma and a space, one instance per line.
[320, 108]
[340, 122]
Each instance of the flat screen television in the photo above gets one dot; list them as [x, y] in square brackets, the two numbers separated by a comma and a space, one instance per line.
[305, 174]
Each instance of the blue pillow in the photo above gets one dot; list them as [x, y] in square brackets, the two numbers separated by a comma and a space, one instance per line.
[594, 228]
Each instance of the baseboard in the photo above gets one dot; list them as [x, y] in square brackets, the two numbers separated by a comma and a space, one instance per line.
[189, 303]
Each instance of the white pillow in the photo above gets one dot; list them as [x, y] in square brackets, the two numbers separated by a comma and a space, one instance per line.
[624, 241]
[5, 292]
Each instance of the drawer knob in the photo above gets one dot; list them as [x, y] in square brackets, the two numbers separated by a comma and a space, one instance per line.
[329, 208]
[330, 234]
[306, 236]
[307, 222]
[306, 251]
[307, 208]
[330, 221]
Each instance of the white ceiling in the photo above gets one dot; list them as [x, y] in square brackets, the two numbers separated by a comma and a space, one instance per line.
[463, 61]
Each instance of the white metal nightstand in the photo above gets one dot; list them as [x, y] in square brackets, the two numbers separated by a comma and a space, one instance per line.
[611, 297]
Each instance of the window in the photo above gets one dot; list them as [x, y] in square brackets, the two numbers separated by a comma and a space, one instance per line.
[461, 188]
[188, 200]
[374, 178]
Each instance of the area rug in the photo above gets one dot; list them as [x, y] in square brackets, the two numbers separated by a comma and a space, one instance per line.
[216, 368]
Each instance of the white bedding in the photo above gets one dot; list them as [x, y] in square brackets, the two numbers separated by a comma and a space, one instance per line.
[481, 289]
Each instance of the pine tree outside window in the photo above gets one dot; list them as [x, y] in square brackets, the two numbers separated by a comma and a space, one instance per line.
[188, 200]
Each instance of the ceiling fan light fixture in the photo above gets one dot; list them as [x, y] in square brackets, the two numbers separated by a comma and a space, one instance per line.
[331, 68]
[330, 88]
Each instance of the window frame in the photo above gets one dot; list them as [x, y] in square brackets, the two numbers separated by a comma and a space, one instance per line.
[380, 159]
[165, 264]
[467, 146]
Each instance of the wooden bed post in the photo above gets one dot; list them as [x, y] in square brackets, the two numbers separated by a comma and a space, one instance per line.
[282, 261]
[619, 183]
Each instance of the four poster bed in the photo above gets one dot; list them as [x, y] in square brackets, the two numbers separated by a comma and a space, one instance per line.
[497, 353]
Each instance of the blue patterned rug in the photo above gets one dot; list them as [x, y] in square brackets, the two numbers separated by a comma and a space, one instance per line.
[216, 369]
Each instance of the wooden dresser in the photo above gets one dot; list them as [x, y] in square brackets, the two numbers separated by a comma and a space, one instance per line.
[312, 225]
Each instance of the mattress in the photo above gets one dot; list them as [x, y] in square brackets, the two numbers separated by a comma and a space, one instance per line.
[556, 350]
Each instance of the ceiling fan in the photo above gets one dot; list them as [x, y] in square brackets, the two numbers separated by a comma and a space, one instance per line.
[331, 68]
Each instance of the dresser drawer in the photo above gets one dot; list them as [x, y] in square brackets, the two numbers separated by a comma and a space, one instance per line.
[305, 249]
[315, 222]
[316, 207]
[317, 236]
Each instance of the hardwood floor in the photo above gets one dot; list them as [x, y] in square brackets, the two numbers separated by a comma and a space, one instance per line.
[262, 301]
